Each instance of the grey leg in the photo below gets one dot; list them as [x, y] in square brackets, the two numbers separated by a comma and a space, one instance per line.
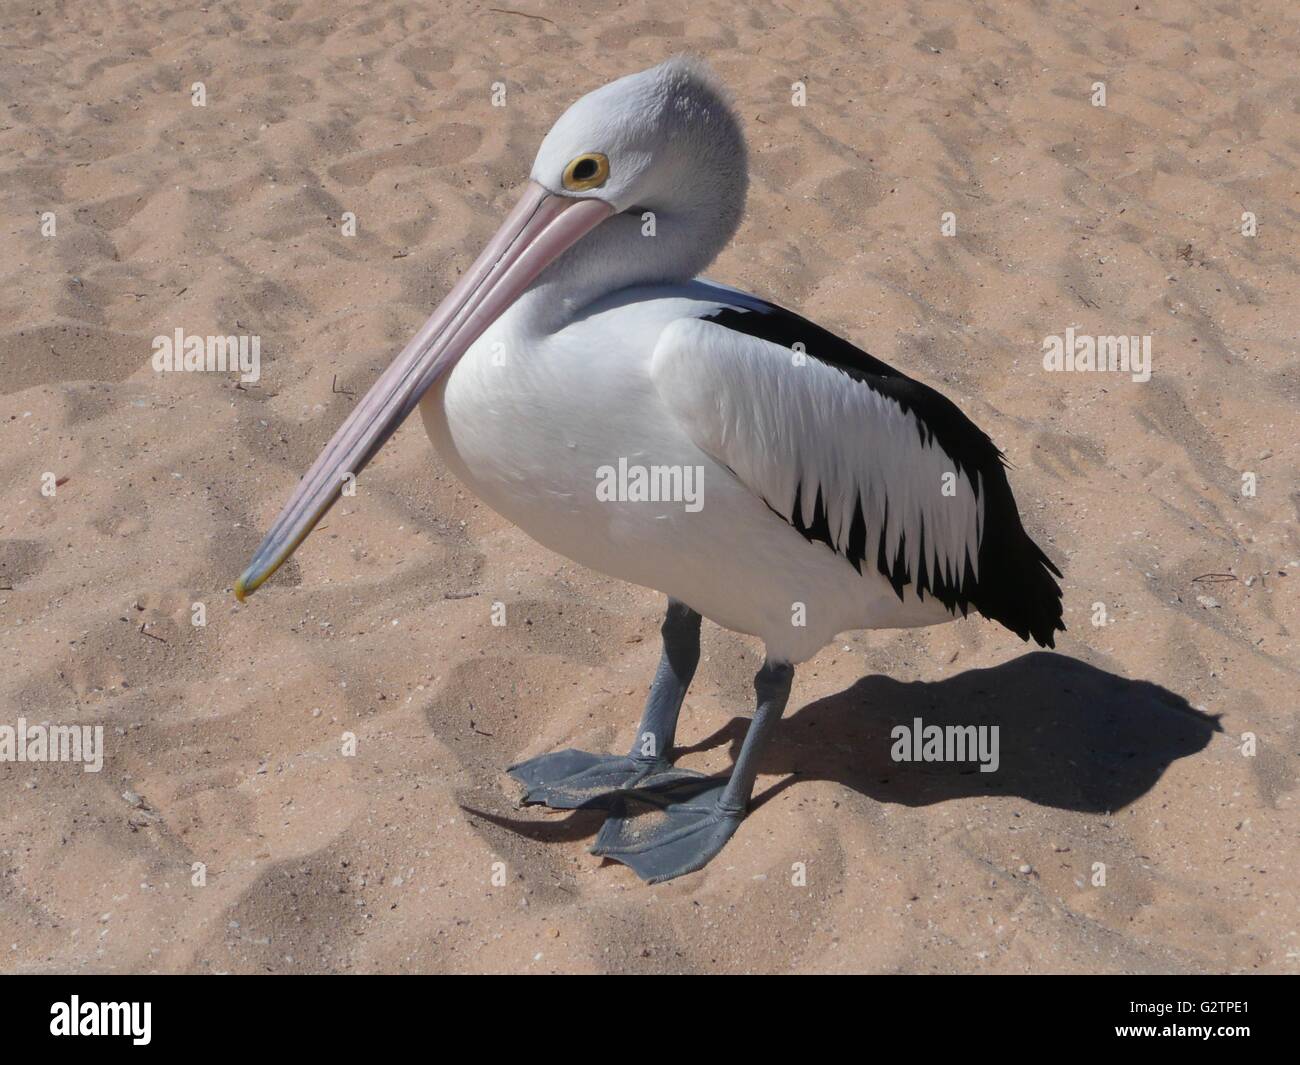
[570, 779]
[772, 691]
[681, 654]
[701, 819]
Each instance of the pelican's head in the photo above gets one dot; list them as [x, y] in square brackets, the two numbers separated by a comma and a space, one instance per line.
[663, 141]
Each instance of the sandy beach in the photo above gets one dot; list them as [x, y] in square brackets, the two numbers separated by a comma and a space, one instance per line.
[345, 165]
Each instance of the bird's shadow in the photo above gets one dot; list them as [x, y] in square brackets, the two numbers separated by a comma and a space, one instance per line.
[1069, 736]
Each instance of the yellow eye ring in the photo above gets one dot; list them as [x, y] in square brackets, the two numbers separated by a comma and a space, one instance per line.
[588, 171]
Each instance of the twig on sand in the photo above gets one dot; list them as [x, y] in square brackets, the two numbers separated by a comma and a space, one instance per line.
[521, 14]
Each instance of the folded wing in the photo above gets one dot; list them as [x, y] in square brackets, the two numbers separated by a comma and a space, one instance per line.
[883, 470]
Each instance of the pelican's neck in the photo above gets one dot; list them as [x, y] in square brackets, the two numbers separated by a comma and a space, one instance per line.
[637, 247]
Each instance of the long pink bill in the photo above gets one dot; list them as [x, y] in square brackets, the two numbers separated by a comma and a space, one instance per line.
[539, 230]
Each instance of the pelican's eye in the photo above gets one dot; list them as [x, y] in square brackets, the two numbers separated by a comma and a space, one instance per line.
[588, 171]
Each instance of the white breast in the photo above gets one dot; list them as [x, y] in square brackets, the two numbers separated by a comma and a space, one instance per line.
[529, 421]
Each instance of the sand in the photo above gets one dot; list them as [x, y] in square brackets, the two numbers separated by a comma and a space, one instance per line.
[228, 831]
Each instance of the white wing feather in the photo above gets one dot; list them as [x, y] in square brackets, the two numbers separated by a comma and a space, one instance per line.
[785, 422]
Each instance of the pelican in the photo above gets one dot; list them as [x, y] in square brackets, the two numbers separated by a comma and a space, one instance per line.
[587, 384]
